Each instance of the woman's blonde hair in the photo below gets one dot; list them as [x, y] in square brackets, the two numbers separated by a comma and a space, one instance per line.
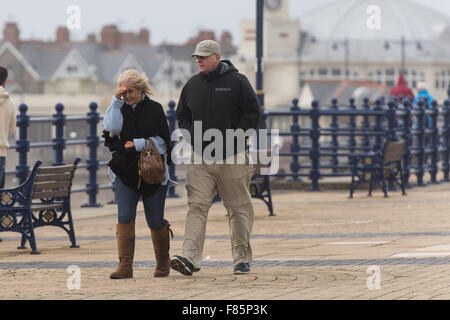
[136, 80]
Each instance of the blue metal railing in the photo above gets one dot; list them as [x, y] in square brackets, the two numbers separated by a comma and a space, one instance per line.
[321, 149]
[425, 128]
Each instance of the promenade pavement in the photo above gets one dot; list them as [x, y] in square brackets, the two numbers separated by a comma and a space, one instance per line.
[320, 245]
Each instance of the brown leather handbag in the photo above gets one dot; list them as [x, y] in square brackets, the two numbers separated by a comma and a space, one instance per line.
[151, 164]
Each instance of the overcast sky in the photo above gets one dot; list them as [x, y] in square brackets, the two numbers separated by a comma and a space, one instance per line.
[173, 21]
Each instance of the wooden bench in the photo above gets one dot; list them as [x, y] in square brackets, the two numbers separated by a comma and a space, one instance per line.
[377, 167]
[260, 184]
[42, 200]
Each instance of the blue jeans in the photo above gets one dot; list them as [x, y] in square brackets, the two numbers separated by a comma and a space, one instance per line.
[2, 172]
[127, 200]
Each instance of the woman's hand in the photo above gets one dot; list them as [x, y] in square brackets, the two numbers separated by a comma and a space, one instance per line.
[120, 91]
[129, 144]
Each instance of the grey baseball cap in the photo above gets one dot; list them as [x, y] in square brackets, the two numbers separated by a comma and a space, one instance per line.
[207, 48]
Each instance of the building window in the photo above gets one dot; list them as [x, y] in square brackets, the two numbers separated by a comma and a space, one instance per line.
[323, 72]
[442, 79]
[72, 69]
[336, 72]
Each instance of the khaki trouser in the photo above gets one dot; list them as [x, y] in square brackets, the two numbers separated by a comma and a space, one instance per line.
[232, 182]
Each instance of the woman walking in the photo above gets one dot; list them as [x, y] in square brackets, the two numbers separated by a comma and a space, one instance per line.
[132, 118]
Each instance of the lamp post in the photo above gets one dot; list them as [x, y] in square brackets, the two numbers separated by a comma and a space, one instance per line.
[403, 42]
[346, 46]
[259, 51]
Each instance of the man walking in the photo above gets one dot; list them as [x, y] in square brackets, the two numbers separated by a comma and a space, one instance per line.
[220, 98]
[7, 123]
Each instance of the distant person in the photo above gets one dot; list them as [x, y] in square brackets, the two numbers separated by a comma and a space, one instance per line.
[132, 118]
[426, 97]
[422, 93]
[221, 98]
[401, 90]
[7, 121]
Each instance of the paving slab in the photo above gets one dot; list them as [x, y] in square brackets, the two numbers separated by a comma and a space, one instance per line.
[320, 245]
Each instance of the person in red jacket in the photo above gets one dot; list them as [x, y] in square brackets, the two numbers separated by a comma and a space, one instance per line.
[401, 90]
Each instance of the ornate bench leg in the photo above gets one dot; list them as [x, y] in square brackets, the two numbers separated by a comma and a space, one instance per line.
[269, 196]
[352, 186]
[22, 242]
[32, 240]
[27, 230]
[72, 231]
[384, 185]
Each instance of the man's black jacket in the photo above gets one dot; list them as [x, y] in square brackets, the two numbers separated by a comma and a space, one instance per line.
[223, 99]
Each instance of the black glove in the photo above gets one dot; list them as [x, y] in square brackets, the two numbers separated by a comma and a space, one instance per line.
[112, 143]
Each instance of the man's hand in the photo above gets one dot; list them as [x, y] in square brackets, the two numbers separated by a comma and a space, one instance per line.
[120, 91]
[129, 144]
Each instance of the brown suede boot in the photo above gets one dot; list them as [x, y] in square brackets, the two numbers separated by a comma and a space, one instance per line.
[125, 244]
[161, 245]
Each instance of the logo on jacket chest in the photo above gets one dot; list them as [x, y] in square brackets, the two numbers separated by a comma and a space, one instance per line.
[222, 89]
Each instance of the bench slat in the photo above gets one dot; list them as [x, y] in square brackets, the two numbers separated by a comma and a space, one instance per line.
[51, 185]
[53, 177]
[50, 194]
[58, 169]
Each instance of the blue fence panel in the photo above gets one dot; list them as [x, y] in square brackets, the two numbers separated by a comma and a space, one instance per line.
[322, 149]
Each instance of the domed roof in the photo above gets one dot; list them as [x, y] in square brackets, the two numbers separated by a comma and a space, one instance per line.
[348, 19]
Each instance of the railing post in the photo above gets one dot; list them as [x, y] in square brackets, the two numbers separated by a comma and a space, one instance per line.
[59, 121]
[335, 137]
[408, 141]
[391, 115]
[92, 162]
[378, 126]
[420, 143]
[23, 145]
[352, 126]
[314, 154]
[295, 146]
[434, 142]
[366, 124]
[171, 118]
[392, 120]
[446, 141]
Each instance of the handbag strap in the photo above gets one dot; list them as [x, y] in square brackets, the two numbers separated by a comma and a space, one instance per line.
[153, 145]
[148, 144]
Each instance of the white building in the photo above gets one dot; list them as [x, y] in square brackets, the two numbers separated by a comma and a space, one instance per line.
[281, 43]
[350, 39]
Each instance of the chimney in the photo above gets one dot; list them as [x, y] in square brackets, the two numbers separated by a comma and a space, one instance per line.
[11, 33]
[62, 35]
[144, 36]
[110, 37]
[226, 42]
[91, 38]
[202, 35]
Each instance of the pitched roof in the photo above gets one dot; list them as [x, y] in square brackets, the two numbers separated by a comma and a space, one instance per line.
[44, 58]
[20, 57]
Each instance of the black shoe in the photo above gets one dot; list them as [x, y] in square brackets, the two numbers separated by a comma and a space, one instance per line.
[242, 268]
[182, 265]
